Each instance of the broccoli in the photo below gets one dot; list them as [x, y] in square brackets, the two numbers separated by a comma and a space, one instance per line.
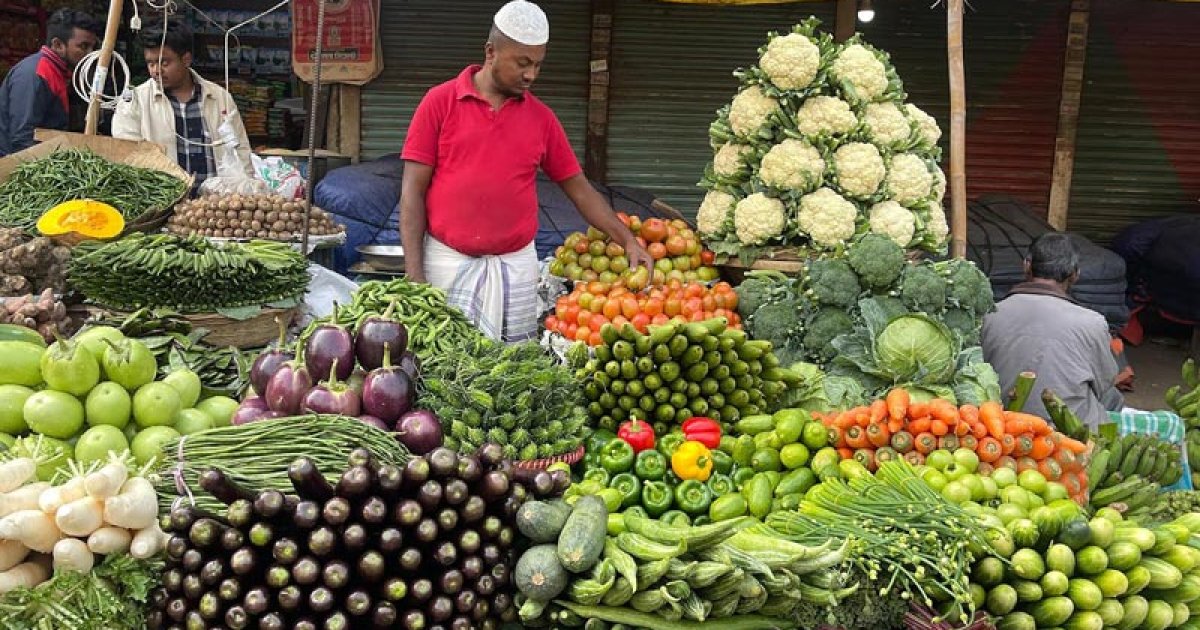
[962, 323]
[774, 322]
[833, 283]
[923, 289]
[821, 330]
[969, 287]
[877, 260]
[758, 288]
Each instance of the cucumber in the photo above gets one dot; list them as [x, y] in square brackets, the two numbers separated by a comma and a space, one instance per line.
[1084, 594]
[539, 575]
[1162, 574]
[1136, 608]
[1052, 611]
[1084, 620]
[582, 538]
[12, 332]
[542, 521]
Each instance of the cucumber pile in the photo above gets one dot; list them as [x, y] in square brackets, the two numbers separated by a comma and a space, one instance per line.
[1132, 469]
[1185, 400]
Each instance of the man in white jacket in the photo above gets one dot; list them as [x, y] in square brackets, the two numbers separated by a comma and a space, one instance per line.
[194, 121]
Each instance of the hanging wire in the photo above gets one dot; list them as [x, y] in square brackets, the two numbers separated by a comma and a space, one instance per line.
[312, 125]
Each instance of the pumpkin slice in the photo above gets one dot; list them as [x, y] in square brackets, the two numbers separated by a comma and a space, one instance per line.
[86, 217]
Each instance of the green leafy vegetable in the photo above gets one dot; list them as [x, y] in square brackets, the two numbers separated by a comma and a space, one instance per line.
[112, 596]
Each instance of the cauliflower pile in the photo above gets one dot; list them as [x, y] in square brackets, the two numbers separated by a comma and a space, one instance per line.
[821, 146]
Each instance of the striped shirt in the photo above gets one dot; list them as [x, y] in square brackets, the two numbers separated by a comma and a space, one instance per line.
[193, 150]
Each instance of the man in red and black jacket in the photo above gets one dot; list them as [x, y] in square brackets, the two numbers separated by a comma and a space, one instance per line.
[36, 92]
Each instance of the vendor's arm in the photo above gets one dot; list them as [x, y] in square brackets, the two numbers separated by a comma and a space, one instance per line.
[412, 217]
[600, 215]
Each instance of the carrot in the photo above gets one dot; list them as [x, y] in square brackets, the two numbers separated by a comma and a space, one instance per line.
[989, 450]
[1008, 443]
[896, 403]
[895, 426]
[1073, 483]
[1073, 445]
[1043, 447]
[962, 429]
[925, 443]
[991, 414]
[1026, 463]
[856, 437]
[878, 434]
[862, 417]
[938, 428]
[914, 458]
[845, 453]
[919, 425]
[1024, 445]
[1038, 425]
[1066, 459]
[968, 441]
[844, 420]
[1016, 424]
[985, 469]
[943, 410]
[1005, 461]
[1050, 469]
[918, 409]
[969, 412]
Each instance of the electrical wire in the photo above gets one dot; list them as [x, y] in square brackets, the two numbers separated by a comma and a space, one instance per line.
[88, 67]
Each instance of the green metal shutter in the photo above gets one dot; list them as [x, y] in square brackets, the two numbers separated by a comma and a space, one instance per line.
[427, 42]
[1138, 144]
[672, 68]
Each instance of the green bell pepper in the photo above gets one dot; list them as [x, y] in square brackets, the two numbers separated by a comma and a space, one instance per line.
[656, 498]
[599, 475]
[598, 439]
[617, 457]
[629, 486]
[727, 507]
[743, 451]
[721, 485]
[669, 442]
[722, 462]
[676, 518]
[693, 497]
[742, 475]
[758, 495]
[650, 465]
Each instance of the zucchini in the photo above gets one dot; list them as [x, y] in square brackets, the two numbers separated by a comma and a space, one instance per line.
[13, 332]
[542, 521]
[539, 575]
[582, 538]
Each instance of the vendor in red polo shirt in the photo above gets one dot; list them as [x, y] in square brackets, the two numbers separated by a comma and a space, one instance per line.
[468, 204]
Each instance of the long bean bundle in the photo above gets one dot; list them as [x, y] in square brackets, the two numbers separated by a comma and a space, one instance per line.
[256, 455]
[187, 274]
[38, 185]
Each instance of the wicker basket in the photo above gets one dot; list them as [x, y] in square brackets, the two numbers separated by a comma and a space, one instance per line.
[570, 458]
[255, 332]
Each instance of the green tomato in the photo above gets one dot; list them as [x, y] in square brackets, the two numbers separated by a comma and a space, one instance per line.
[108, 404]
[219, 408]
[53, 413]
[93, 339]
[149, 443]
[12, 406]
[191, 421]
[939, 459]
[1004, 477]
[956, 492]
[97, 442]
[187, 383]
[155, 404]
[967, 458]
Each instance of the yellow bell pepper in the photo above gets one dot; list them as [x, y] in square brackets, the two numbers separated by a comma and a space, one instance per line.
[692, 460]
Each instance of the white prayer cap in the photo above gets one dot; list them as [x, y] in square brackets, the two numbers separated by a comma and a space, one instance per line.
[523, 22]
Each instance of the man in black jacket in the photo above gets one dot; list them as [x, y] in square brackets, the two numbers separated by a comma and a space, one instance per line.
[36, 92]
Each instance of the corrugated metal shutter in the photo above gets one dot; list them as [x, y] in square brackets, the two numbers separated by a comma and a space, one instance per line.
[671, 70]
[1138, 144]
[427, 42]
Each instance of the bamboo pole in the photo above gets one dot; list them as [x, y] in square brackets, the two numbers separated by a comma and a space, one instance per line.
[105, 61]
[958, 129]
[1068, 114]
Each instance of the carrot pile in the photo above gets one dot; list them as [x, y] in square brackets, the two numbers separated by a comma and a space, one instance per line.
[899, 427]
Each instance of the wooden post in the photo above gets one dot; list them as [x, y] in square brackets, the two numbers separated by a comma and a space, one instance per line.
[105, 61]
[847, 18]
[958, 129]
[1068, 114]
[595, 162]
[350, 121]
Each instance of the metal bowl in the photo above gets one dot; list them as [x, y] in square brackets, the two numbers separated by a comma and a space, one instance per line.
[383, 257]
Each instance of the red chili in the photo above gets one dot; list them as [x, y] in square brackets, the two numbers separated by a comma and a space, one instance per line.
[638, 434]
[703, 430]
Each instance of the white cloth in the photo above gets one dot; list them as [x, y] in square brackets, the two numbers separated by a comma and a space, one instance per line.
[498, 294]
[523, 22]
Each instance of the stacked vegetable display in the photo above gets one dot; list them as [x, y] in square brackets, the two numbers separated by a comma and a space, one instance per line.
[188, 274]
[1184, 399]
[818, 146]
[677, 253]
[423, 545]
[581, 314]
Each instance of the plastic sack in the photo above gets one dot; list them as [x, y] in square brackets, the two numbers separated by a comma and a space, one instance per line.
[325, 290]
[279, 176]
[231, 178]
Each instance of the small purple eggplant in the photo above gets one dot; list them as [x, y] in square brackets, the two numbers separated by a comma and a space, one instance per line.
[375, 332]
[411, 365]
[288, 387]
[327, 344]
[332, 396]
[388, 392]
[250, 410]
[270, 361]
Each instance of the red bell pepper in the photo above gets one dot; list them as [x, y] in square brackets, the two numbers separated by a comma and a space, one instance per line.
[638, 434]
[703, 430]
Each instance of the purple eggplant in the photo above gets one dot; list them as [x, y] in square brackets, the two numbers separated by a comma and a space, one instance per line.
[375, 332]
[327, 344]
[270, 361]
[288, 387]
[373, 421]
[420, 431]
[411, 365]
[332, 396]
[250, 410]
[388, 391]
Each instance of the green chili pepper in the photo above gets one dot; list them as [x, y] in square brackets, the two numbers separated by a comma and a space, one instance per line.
[656, 498]
[629, 486]
[669, 442]
[693, 497]
[599, 475]
[617, 457]
[721, 485]
[758, 495]
[727, 507]
[650, 465]
[722, 462]
[676, 518]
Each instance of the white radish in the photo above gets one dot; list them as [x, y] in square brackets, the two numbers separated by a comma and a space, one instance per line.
[58, 496]
[11, 554]
[15, 472]
[108, 540]
[107, 481]
[27, 575]
[23, 498]
[72, 554]
[34, 528]
[80, 517]
[147, 542]
[136, 507]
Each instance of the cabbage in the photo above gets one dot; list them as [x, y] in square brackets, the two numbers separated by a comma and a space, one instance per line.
[975, 380]
[916, 348]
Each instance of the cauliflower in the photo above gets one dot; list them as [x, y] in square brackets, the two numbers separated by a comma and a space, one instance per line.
[893, 221]
[886, 124]
[939, 184]
[713, 212]
[926, 125]
[791, 61]
[859, 169]
[861, 74]
[821, 330]
[832, 282]
[751, 111]
[937, 226]
[909, 180]
[923, 289]
[792, 164]
[730, 160]
[821, 115]
[758, 218]
[877, 260]
[827, 217]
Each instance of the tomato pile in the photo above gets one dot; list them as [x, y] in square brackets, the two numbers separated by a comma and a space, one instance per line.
[676, 249]
[580, 314]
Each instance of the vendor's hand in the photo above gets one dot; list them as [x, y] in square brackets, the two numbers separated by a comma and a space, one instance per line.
[639, 257]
